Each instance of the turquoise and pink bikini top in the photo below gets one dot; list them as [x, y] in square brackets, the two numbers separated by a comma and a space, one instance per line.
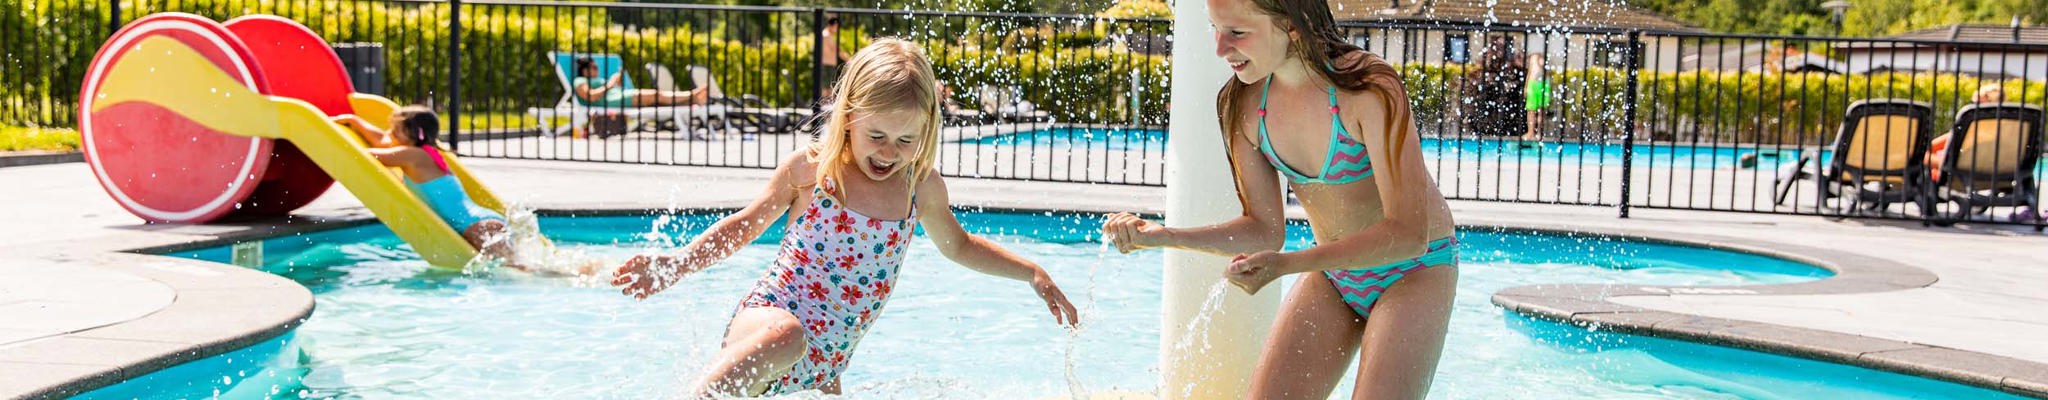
[1346, 163]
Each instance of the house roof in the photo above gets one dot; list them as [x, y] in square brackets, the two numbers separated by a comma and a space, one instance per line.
[1579, 13]
[1980, 33]
[1758, 57]
[1961, 36]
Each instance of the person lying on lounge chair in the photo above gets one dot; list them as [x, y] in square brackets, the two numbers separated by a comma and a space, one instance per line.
[603, 92]
[1937, 150]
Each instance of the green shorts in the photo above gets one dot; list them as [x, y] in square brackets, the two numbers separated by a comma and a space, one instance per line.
[1539, 95]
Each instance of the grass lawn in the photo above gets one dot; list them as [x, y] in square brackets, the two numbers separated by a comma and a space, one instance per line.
[487, 120]
[16, 138]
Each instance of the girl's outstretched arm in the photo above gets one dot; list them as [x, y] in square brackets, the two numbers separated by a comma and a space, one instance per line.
[935, 213]
[1262, 227]
[645, 275]
[373, 136]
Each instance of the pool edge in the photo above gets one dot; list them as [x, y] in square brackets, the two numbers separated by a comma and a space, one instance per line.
[211, 314]
[1576, 304]
[1587, 305]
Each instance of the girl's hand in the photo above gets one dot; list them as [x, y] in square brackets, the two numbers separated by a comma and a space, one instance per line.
[1128, 232]
[1062, 310]
[1253, 271]
[645, 275]
[345, 120]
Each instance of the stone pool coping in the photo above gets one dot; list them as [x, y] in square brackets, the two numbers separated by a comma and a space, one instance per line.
[217, 308]
[220, 308]
[1590, 305]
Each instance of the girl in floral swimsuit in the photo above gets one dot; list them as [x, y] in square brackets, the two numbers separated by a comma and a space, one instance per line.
[857, 196]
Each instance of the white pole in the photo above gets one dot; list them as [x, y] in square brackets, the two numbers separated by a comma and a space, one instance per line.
[1203, 356]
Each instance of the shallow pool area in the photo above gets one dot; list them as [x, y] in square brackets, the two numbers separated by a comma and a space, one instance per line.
[1553, 153]
[388, 325]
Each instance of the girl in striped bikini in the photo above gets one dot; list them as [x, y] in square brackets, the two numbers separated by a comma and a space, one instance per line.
[1383, 272]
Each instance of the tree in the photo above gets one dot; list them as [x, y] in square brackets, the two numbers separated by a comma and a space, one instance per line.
[1864, 18]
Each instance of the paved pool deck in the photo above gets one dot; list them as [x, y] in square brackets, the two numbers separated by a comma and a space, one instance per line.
[80, 309]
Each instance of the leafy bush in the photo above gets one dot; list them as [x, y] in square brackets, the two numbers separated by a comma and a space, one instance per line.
[1715, 106]
[505, 67]
[14, 138]
[1138, 9]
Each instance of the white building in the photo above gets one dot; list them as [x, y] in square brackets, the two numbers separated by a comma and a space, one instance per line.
[1996, 52]
[1571, 34]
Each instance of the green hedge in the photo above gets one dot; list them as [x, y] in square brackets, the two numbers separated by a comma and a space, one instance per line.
[44, 46]
[1725, 107]
[505, 68]
[1067, 72]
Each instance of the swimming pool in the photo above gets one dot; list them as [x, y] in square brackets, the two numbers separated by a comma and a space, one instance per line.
[1467, 149]
[387, 325]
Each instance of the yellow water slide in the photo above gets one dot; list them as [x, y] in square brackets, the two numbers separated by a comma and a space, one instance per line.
[158, 83]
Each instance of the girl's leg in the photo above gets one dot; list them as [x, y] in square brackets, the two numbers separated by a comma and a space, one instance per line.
[831, 387]
[762, 344]
[1405, 335]
[492, 238]
[1311, 343]
[659, 98]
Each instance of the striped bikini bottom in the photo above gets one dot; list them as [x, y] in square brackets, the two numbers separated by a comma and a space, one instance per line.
[1363, 286]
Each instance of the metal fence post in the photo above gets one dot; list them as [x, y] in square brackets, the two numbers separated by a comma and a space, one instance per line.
[113, 17]
[454, 76]
[817, 56]
[1628, 129]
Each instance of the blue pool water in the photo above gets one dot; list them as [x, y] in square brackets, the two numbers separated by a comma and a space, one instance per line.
[387, 325]
[1153, 140]
[1474, 149]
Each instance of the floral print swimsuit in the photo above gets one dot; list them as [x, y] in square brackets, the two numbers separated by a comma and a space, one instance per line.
[834, 272]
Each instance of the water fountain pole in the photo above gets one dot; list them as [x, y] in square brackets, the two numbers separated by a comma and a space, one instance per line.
[1200, 191]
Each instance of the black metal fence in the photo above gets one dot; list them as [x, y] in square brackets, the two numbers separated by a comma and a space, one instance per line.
[1037, 97]
[1748, 123]
[1629, 119]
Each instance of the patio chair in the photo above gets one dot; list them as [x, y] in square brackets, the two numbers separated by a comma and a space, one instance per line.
[1878, 156]
[1992, 155]
[579, 112]
[751, 111]
[955, 115]
[1004, 107]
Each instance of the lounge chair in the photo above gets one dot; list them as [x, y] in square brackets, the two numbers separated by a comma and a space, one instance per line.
[749, 110]
[1993, 150]
[579, 113]
[1004, 107]
[955, 115]
[1878, 156]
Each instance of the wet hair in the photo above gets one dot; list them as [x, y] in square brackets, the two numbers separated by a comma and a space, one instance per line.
[832, 20]
[584, 63]
[1349, 67]
[1988, 89]
[888, 75]
[424, 128]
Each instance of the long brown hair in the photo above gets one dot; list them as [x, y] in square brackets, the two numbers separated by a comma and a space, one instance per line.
[1322, 46]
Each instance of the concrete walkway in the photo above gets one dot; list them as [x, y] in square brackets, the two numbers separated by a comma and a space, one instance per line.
[62, 232]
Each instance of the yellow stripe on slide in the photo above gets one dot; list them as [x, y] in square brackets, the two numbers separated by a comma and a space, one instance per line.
[165, 72]
[340, 152]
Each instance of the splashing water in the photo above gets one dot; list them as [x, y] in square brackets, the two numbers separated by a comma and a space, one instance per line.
[533, 252]
[1087, 308]
[1197, 331]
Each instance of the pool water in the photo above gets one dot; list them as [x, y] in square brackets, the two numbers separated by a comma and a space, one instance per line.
[387, 325]
[1469, 149]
